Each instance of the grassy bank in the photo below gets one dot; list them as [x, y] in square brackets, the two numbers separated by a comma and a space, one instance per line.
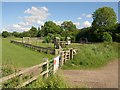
[92, 56]
[54, 82]
[19, 56]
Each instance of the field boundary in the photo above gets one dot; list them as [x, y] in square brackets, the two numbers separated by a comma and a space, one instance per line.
[41, 69]
[44, 69]
[36, 48]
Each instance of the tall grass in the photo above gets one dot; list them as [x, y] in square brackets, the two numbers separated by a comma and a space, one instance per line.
[93, 56]
[54, 81]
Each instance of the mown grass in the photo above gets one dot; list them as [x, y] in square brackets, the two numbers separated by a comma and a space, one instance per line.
[91, 56]
[19, 56]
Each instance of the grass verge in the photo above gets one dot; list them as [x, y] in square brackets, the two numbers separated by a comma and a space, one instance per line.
[91, 56]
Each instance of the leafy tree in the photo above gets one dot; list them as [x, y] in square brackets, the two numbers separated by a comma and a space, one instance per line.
[40, 33]
[24, 34]
[68, 25]
[16, 34]
[33, 31]
[5, 34]
[51, 27]
[104, 17]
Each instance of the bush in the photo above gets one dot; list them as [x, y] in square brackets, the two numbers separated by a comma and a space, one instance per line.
[107, 37]
[47, 39]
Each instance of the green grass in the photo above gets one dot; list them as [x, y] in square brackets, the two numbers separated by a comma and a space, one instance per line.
[91, 56]
[51, 45]
[19, 56]
[52, 82]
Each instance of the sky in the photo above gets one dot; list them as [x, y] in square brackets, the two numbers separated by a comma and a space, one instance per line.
[20, 16]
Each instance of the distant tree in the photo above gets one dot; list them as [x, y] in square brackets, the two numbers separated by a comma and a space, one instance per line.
[50, 27]
[24, 34]
[5, 34]
[104, 17]
[16, 34]
[68, 25]
[33, 31]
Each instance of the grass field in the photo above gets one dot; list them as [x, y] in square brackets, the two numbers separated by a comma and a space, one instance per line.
[92, 56]
[19, 56]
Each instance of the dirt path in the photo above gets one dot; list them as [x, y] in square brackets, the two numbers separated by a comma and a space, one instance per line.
[105, 77]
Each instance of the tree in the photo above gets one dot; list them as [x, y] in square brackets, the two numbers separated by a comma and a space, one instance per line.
[16, 34]
[33, 31]
[68, 25]
[5, 34]
[39, 32]
[104, 17]
[50, 27]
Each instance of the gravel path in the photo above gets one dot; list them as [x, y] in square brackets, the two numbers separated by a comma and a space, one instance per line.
[105, 77]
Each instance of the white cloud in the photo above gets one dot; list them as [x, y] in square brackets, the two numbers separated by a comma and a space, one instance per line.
[79, 18]
[86, 24]
[89, 16]
[37, 14]
[77, 24]
[58, 22]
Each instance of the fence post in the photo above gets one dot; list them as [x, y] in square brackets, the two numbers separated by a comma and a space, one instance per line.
[45, 67]
[71, 53]
[20, 79]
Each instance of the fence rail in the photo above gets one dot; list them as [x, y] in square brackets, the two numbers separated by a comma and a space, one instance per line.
[41, 69]
[37, 48]
[44, 69]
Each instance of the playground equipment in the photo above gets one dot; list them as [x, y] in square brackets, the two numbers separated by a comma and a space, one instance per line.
[61, 44]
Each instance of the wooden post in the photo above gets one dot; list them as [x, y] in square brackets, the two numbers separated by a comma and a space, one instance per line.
[45, 67]
[71, 53]
[20, 79]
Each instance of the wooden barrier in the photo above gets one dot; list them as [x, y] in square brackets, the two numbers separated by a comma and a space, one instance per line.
[36, 70]
[37, 48]
[44, 69]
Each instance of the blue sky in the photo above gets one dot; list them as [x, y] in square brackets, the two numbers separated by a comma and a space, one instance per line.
[20, 16]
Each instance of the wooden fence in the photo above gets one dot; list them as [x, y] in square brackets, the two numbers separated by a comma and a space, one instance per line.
[44, 69]
[37, 48]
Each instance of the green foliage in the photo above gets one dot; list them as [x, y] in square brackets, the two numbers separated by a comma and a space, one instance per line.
[50, 27]
[16, 34]
[47, 39]
[107, 37]
[104, 17]
[5, 34]
[7, 70]
[93, 56]
[54, 81]
[68, 25]
[33, 31]
[24, 34]
[117, 37]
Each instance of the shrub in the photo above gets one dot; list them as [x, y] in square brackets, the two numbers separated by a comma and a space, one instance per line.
[47, 39]
[107, 37]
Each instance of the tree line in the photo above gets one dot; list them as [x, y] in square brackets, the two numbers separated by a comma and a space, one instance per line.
[104, 28]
